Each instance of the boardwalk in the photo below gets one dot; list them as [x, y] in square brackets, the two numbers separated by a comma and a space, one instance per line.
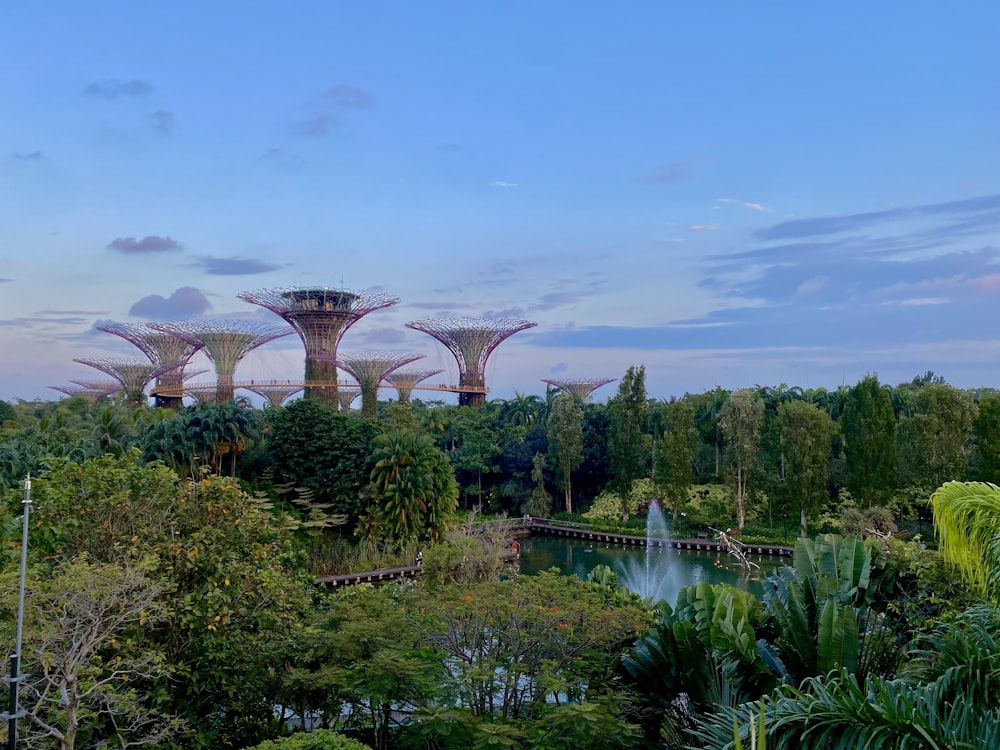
[553, 528]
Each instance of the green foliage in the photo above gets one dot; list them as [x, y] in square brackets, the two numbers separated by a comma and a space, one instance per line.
[539, 502]
[626, 443]
[6, 411]
[413, 493]
[935, 440]
[806, 434]
[565, 431]
[607, 507]
[313, 446]
[703, 653]
[986, 429]
[742, 419]
[823, 611]
[869, 426]
[967, 519]
[673, 472]
[320, 739]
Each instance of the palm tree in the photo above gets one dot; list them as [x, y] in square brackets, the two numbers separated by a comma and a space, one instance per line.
[967, 520]
[520, 411]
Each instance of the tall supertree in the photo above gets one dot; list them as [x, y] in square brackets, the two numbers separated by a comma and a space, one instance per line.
[579, 387]
[161, 347]
[225, 343]
[471, 341]
[346, 394]
[405, 380]
[370, 369]
[321, 316]
[133, 374]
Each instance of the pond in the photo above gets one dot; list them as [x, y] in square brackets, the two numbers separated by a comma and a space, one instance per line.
[669, 570]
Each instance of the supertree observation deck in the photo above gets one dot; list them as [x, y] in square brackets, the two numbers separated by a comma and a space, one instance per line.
[94, 392]
[471, 341]
[273, 393]
[225, 343]
[404, 381]
[346, 395]
[160, 347]
[370, 369]
[133, 374]
[579, 387]
[321, 316]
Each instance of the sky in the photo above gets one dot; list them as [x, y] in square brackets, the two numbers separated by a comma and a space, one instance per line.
[727, 193]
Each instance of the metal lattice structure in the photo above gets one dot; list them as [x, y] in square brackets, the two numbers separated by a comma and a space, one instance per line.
[133, 374]
[94, 392]
[579, 387]
[321, 316]
[346, 395]
[405, 380]
[225, 343]
[370, 369]
[161, 347]
[273, 393]
[471, 341]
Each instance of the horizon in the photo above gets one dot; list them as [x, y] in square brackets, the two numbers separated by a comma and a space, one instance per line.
[727, 195]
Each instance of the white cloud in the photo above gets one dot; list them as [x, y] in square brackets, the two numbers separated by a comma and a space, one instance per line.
[703, 227]
[502, 184]
[813, 285]
[746, 204]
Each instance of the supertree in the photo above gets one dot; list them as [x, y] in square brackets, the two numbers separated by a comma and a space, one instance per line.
[94, 392]
[273, 393]
[133, 374]
[225, 343]
[579, 387]
[370, 369]
[321, 316]
[161, 347]
[405, 380]
[471, 341]
[346, 394]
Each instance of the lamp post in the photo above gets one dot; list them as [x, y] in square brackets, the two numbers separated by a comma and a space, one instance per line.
[15, 678]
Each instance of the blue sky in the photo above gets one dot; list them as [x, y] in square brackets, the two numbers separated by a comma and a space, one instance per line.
[728, 193]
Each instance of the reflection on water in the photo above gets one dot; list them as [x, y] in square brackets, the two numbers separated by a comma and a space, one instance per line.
[580, 556]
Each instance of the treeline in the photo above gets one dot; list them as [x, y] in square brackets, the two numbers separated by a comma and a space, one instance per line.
[767, 458]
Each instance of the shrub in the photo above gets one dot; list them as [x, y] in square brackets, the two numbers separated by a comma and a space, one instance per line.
[321, 739]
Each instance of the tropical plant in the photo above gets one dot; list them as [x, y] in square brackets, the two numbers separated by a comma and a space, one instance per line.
[967, 520]
[413, 493]
[626, 444]
[742, 419]
[565, 431]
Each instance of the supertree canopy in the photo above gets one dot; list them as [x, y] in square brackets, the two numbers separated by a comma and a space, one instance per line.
[92, 391]
[579, 387]
[405, 380]
[346, 394]
[133, 374]
[274, 393]
[370, 369]
[161, 347]
[471, 341]
[225, 343]
[320, 316]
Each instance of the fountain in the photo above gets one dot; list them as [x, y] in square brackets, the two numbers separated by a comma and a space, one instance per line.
[653, 577]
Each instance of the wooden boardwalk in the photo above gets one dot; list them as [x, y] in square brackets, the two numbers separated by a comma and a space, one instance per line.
[550, 528]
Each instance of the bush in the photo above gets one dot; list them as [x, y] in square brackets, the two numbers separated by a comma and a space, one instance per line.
[321, 739]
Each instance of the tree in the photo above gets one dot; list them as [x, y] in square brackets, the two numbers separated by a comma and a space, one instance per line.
[565, 431]
[869, 425]
[413, 493]
[742, 417]
[539, 502]
[673, 472]
[313, 446]
[85, 651]
[626, 443]
[986, 429]
[934, 440]
[806, 435]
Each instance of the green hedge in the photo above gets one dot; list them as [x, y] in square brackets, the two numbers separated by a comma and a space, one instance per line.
[320, 739]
